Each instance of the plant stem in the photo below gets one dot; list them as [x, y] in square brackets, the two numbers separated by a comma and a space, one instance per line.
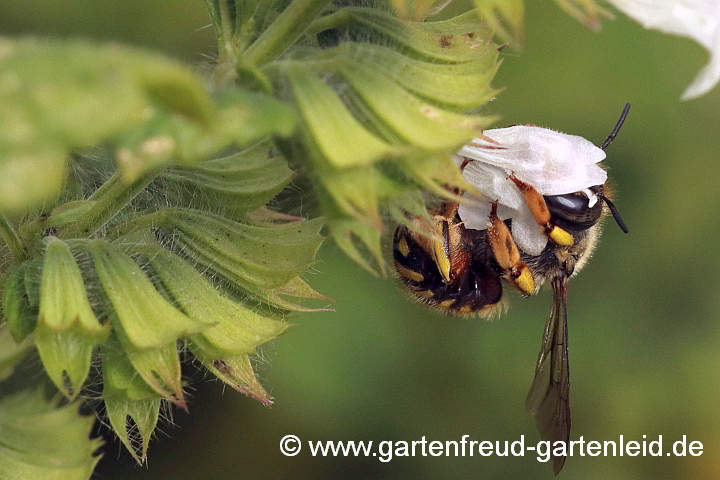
[220, 15]
[336, 19]
[225, 46]
[11, 238]
[284, 31]
[109, 199]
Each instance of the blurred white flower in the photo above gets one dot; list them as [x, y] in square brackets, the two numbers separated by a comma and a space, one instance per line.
[554, 163]
[696, 19]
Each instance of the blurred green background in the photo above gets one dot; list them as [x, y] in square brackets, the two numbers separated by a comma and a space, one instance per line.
[644, 314]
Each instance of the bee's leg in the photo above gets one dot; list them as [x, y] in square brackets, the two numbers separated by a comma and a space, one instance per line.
[447, 248]
[507, 255]
[541, 213]
[442, 238]
[465, 163]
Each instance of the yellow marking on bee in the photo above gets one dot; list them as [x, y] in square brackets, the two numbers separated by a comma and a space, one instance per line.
[560, 236]
[446, 303]
[425, 293]
[525, 282]
[409, 274]
[465, 309]
[403, 247]
[442, 260]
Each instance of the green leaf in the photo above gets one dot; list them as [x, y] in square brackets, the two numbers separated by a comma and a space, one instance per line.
[41, 439]
[247, 117]
[66, 214]
[353, 192]
[120, 375]
[66, 357]
[144, 316]
[434, 173]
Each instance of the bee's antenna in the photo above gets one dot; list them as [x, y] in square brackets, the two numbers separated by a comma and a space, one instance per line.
[616, 129]
[614, 211]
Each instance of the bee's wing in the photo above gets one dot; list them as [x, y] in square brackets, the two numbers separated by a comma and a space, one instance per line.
[549, 396]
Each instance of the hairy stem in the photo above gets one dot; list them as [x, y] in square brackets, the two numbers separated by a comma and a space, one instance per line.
[284, 30]
[336, 19]
[220, 15]
[109, 199]
[137, 223]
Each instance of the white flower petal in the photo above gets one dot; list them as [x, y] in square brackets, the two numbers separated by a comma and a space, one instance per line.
[475, 215]
[554, 163]
[528, 235]
[696, 19]
[705, 80]
[494, 184]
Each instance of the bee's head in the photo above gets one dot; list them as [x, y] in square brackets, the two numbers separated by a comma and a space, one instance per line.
[581, 210]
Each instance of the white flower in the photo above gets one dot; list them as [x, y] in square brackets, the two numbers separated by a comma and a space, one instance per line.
[554, 163]
[696, 19]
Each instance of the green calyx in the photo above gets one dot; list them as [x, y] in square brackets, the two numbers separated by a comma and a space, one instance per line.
[66, 328]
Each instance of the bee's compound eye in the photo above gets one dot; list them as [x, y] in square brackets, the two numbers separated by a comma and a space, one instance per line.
[572, 211]
[568, 205]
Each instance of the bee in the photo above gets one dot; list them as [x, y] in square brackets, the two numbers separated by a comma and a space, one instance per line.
[534, 219]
